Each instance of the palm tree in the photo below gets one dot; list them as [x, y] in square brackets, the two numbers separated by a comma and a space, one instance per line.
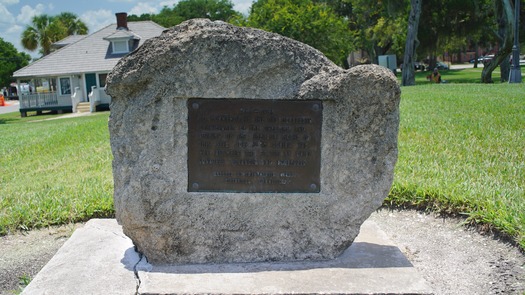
[45, 30]
[73, 24]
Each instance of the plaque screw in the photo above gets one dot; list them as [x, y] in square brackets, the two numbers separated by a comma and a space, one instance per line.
[195, 185]
[195, 105]
[315, 107]
[313, 186]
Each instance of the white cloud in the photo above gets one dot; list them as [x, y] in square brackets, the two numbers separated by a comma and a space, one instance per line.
[143, 7]
[7, 17]
[9, 2]
[11, 26]
[27, 13]
[12, 35]
[242, 6]
[9, 30]
[97, 19]
[167, 3]
[15, 30]
[146, 7]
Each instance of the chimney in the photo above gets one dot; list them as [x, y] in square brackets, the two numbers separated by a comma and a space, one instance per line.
[122, 20]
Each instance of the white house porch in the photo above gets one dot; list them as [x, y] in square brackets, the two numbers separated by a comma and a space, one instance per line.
[56, 93]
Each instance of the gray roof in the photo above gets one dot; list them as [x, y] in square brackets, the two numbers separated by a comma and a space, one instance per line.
[68, 40]
[122, 34]
[90, 54]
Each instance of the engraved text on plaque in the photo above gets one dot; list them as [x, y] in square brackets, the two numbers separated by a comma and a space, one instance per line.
[254, 145]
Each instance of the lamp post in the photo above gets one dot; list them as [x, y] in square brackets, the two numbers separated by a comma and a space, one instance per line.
[515, 71]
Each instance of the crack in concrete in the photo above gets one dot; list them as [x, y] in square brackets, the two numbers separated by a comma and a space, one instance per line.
[136, 271]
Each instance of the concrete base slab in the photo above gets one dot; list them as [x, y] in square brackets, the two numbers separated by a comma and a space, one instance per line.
[100, 259]
[97, 259]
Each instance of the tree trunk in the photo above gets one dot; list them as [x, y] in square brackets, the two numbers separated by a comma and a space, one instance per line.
[409, 75]
[505, 15]
[504, 68]
[432, 60]
[476, 56]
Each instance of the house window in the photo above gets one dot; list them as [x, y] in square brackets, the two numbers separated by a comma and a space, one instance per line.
[65, 86]
[44, 85]
[102, 80]
[120, 46]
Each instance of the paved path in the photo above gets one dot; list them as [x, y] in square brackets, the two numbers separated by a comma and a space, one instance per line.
[464, 66]
[11, 106]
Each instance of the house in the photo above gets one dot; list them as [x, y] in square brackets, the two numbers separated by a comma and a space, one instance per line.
[73, 76]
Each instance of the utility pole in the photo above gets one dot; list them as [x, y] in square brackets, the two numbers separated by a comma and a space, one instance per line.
[515, 70]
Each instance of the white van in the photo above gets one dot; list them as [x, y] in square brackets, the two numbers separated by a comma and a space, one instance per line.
[14, 90]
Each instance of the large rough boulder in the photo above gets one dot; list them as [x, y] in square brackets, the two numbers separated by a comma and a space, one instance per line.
[148, 125]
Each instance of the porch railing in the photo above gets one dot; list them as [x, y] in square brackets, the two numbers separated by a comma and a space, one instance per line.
[38, 100]
[76, 98]
[98, 96]
[94, 99]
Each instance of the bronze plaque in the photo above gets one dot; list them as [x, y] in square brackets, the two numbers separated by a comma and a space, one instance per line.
[248, 146]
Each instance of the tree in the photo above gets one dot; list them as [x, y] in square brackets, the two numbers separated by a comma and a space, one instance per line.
[504, 13]
[73, 24]
[10, 61]
[142, 17]
[212, 9]
[378, 27]
[480, 24]
[451, 26]
[446, 26]
[45, 30]
[315, 24]
[409, 77]
[188, 9]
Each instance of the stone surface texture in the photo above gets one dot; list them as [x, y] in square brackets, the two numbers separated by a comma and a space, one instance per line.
[204, 59]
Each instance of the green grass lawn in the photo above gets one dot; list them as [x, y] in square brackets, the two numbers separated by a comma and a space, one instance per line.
[469, 75]
[461, 151]
[53, 172]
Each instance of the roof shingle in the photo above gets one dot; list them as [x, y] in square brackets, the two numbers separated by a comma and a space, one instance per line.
[87, 55]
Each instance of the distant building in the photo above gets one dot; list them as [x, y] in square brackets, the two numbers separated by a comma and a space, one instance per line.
[74, 74]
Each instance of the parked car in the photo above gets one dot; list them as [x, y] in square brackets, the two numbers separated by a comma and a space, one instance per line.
[14, 90]
[488, 58]
[419, 66]
[483, 59]
[441, 66]
[521, 60]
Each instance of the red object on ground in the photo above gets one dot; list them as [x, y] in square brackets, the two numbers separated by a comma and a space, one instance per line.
[2, 101]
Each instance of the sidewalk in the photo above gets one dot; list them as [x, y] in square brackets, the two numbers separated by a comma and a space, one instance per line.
[11, 106]
[464, 66]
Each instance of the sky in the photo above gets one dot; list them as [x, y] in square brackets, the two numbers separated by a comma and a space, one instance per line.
[15, 15]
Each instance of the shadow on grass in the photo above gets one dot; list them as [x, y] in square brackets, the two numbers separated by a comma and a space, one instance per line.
[10, 118]
[455, 76]
[458, 76]
[15, 117]
[7, 121]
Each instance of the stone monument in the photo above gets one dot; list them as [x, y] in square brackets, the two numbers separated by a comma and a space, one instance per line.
[234, 144]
